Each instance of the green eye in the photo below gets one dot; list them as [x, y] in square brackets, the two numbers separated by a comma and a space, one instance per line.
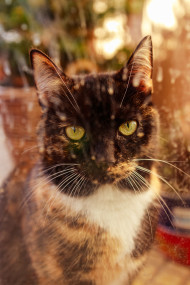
[128, 128]
[75, 132]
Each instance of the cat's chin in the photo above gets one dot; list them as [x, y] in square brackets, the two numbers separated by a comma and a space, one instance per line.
[121, 184]
[91, 186]
[128, 183]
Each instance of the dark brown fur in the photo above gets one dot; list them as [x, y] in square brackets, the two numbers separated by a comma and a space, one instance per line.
[43, 240]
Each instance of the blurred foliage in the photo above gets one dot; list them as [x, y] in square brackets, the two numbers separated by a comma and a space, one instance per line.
[175, 148]
[134, 6]
[63, 29]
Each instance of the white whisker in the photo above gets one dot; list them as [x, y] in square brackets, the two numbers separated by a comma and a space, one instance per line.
[68, 91]
[166, 162]
[68, 178]
[146, 183]
[127, 86]
[77, 185]
[30, 148]
[46, 178]
[158, 197]
[161, 178]
[59, 164]
[136, 181]
[42, 183]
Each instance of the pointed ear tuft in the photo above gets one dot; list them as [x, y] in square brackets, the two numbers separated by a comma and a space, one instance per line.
[47, 76]
[140, 65]
[138, 70]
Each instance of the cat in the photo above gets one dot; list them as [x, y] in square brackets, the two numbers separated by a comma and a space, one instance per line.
[85, 212]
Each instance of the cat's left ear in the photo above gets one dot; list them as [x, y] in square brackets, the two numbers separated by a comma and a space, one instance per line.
[139, 68]
[50, 81]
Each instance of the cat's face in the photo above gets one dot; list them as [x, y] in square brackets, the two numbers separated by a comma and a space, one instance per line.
[95, 126]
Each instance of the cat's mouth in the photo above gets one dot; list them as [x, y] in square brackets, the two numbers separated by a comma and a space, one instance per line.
[112, 174]
[83, 180]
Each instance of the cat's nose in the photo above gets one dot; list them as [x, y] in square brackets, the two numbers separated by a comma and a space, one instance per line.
[104, 155]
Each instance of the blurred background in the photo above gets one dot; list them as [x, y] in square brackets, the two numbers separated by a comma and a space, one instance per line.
[99, 35]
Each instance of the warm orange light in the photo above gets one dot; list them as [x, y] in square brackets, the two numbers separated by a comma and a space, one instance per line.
[100, 6]
[111, 36]
[161, 13]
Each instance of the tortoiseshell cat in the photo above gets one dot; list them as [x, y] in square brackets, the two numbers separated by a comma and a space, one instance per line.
[89, 211]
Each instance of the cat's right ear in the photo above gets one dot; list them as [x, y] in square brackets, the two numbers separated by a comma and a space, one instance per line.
[49, 79]
[138, 70]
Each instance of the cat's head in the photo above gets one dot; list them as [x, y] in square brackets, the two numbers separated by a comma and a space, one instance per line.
[95, 126]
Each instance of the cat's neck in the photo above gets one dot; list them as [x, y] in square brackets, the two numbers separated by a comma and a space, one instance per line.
[118, 212]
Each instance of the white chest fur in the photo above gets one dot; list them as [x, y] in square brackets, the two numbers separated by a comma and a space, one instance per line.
[118, 212]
